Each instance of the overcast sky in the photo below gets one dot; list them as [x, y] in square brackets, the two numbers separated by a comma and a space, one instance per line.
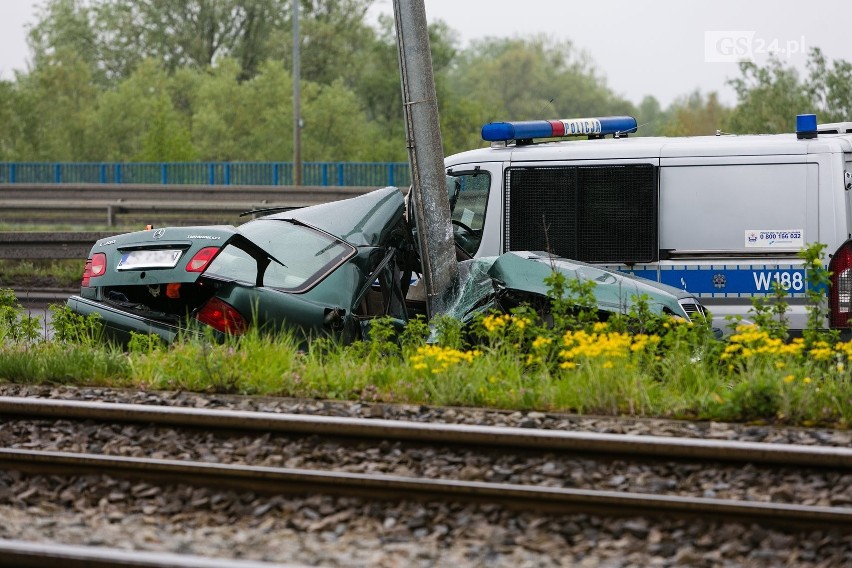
[656, 47]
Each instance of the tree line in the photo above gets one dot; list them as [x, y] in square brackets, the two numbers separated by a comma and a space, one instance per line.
[182, 80]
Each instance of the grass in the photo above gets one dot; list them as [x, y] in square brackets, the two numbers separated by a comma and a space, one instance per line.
[667, 380]
[635, 364]
[42, 273]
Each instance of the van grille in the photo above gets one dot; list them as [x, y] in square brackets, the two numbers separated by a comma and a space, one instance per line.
[587, 213]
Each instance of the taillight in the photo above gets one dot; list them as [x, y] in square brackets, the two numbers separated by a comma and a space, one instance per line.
[95, 266]
[222, 317]
[201, 259]
[98, 264]
[87, 274]
[840, 295]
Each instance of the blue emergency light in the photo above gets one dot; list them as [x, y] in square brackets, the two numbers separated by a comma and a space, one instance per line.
[529, 129]
[806, 126]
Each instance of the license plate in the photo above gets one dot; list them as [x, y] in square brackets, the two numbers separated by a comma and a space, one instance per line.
[134, 259]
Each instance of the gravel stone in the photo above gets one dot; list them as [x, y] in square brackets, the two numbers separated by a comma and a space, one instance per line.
[321, 530]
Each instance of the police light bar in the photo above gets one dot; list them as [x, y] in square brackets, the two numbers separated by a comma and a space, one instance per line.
[527, 130]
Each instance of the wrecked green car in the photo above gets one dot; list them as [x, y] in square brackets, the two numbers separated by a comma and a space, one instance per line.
[323, 270]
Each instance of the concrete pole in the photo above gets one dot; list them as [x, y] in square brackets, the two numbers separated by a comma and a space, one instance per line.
[430, 201]
[297, 100]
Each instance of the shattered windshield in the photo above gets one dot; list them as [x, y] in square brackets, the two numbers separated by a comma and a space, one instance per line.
[305, 256]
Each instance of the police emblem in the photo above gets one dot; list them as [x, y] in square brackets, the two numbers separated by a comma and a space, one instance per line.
[719, 280]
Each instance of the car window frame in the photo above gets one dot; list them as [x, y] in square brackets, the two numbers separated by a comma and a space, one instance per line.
[473, 172]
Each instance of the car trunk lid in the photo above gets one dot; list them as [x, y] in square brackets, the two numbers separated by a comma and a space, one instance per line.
[159, 256]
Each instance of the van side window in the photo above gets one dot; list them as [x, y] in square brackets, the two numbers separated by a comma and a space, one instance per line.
[468, 193]
[586, 213]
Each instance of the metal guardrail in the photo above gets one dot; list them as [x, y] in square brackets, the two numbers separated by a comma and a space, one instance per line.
[159, 192]
[159, 204]
[376, 174]
[48, 245]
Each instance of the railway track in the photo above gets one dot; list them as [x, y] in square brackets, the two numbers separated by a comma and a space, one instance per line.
[45, 555]
[31, 425]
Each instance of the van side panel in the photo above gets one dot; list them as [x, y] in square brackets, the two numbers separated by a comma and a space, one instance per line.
[710, 208]
[714, 207]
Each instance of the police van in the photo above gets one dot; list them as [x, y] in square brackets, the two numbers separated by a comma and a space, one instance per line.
[722, 217]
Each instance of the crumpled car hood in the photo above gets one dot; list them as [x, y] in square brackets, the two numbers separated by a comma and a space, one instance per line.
[362, 221]
[526, 271]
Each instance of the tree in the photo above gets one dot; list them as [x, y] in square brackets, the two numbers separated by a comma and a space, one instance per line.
[769, 98]
[139, 121]
[650, 117]
[695, 115]
[830, 86]
[166, 139]
[186, 33]
[334, 36]
[53, 110]
[9, 105]
[64, 26]
[114, 36]
[524, 79]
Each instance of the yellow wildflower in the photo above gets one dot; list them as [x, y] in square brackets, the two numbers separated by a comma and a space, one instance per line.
[439, 359]
[493, 323]
[820, 353]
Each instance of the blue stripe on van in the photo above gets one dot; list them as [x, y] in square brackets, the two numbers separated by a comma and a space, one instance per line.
[726, 280]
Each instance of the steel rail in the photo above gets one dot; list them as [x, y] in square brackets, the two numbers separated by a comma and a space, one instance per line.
[48, 555]
[658, 447]
[274, 480]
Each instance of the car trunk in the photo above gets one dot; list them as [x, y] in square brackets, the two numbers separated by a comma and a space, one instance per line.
[158, 274]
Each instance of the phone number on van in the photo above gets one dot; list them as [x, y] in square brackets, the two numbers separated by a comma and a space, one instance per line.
[786, 238]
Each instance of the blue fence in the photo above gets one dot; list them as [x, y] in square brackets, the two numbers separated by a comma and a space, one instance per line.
[209, 173]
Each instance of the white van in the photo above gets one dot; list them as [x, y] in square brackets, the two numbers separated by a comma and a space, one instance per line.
[720, 216]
